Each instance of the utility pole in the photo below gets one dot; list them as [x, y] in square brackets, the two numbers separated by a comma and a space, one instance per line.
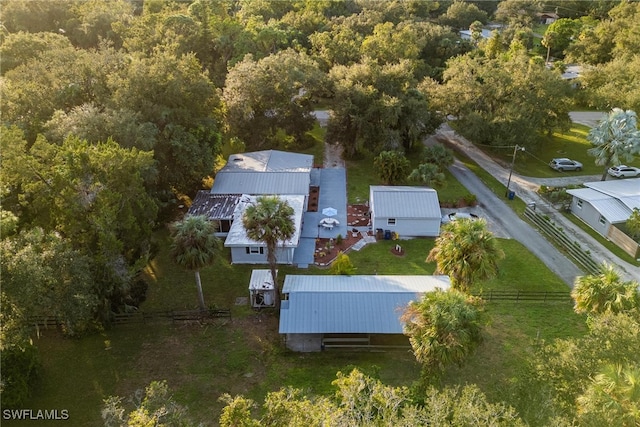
[513, 160]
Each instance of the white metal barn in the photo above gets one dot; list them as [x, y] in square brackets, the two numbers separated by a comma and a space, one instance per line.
[320, 311]
[408, 211]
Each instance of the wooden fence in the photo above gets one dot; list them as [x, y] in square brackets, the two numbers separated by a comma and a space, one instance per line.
[144, 317]
[544, 296]
[623, 241]
[571, 247]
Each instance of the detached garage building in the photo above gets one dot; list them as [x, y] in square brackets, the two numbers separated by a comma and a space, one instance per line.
[350, 310]
[408, 211]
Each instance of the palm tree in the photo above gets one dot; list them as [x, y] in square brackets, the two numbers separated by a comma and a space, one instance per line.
[466, 251]
[612, 398]
[270, 221]
[605, 292]
[428, 174]
[443, 328]
[194, 246]
[615, 139]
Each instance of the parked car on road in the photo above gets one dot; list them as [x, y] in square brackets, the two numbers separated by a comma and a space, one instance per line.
[623, 171]
[453, 216]
[564, 164]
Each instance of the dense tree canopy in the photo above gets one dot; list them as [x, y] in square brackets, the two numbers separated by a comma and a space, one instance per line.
[569, 368]
[503, 101]
[376, 107]
[259, 111]
[363, 401]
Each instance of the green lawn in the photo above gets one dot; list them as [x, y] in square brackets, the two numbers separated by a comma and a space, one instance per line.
[245, 356]
[535, 162]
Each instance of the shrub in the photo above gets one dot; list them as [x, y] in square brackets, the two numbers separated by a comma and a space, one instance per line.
[471, 199]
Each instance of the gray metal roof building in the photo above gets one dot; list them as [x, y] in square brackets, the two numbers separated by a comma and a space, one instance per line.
[351, 304]
[251, 182]
[404, 202]
[614, 200]
[269, 161]
[265, 172]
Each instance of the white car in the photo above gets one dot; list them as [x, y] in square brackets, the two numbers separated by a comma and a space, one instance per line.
[624, 171]
[454, 216]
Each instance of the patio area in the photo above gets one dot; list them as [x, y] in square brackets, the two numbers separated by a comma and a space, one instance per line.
[332, 199]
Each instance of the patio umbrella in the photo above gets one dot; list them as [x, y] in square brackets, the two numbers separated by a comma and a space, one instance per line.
[329, 211]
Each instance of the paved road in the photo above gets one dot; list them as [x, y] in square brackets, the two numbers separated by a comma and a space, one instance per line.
[507, 219]
[587, 118]
[526, 188]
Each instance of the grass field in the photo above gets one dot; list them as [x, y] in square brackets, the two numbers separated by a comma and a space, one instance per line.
[245, 356]
[572, 144]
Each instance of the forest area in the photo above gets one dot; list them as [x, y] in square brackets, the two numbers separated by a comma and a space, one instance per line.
[114, 113]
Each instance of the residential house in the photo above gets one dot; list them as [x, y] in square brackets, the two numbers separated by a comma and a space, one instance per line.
[408, 211]
[468, 34]
[546, 18]
[244, 250]
[239, 182]
[605, 204]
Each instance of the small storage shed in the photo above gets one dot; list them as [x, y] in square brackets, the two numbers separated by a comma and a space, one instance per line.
[261, 289]
[315, 307]
[247, 251]
[408, 211]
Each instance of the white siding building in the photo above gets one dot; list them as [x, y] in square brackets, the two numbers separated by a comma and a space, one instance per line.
[247, 251]
[605, 203]
[408, 211]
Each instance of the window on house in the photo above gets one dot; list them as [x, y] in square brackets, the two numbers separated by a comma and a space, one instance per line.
[255, 250]
[391, 221]
[602, 220]
[579, 203]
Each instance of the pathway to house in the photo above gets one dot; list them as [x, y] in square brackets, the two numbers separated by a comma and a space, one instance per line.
[333, 194]
[526, 189]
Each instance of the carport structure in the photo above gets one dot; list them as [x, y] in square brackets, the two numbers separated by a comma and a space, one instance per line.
[323, 311]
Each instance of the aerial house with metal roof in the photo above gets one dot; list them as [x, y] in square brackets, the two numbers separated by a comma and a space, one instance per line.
[357, 311]
[244, 250]
[606, 205]
[408, 211]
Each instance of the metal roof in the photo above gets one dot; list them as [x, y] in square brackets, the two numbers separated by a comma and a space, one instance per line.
[351, 304]
[625, 190]
[250, 182]
[609, 207]
[261, 279]
[238, 235]
[269, 161]
[214, 206]
[404, 202]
